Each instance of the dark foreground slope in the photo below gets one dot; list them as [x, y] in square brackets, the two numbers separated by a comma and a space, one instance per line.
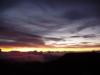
[71, 64]
[77, 63]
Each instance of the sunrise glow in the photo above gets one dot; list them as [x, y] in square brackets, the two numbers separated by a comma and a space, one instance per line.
[26, 49]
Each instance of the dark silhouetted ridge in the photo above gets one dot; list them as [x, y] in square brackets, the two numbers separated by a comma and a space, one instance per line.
[86, 63]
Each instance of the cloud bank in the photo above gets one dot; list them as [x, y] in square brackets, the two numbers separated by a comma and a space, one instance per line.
[57, 23]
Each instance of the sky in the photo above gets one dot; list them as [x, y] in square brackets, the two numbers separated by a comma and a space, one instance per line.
[50, 23]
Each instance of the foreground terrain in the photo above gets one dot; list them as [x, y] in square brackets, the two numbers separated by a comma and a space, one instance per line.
[87, 63]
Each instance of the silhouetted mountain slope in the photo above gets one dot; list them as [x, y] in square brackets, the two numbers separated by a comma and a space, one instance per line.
[76, 63]
[70, 64]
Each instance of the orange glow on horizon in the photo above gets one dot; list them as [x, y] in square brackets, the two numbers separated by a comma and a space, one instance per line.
[27, 49]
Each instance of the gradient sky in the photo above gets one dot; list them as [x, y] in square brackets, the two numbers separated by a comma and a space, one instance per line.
[49, 23]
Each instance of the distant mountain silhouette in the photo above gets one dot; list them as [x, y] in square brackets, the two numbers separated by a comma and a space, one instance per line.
[15, 56]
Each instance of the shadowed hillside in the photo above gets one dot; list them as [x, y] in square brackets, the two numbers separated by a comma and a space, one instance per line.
[86, 63]
[76, 63]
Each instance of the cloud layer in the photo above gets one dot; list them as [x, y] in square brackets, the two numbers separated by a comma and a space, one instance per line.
[58, 23]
